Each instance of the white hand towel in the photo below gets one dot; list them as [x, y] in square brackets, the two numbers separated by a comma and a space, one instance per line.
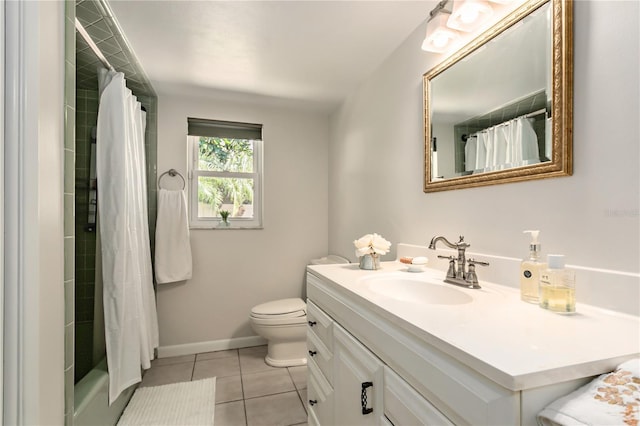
[173, 247]
[611, 399]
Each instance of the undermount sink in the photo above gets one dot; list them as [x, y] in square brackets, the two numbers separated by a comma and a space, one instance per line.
[416, 290]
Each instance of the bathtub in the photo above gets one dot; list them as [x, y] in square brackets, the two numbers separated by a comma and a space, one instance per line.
[91, 399]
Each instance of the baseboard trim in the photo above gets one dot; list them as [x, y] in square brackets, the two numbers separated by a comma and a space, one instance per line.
[210, 346]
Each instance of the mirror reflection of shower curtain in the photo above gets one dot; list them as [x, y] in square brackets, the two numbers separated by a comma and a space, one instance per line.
[513, 143]
[130, 317]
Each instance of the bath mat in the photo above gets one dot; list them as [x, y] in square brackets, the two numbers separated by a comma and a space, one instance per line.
[187, 403]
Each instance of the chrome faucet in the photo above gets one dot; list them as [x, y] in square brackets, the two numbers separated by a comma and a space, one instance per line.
[462, 276]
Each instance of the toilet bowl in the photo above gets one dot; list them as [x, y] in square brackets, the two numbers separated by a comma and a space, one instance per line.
[283, 323]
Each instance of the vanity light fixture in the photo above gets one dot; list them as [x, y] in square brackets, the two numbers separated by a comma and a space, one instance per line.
[468, 15]
[439, 37]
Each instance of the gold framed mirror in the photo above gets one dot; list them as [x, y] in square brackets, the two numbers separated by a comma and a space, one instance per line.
[501, 109]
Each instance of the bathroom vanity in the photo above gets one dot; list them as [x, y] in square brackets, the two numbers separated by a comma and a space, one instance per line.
[391, 347]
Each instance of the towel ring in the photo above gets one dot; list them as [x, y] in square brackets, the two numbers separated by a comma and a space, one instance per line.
[172, 173]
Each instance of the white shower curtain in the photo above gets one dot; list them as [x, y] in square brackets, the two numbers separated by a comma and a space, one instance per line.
[131, 324]
[512, 143]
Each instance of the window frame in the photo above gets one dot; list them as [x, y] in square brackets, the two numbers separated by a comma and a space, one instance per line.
[197, 222]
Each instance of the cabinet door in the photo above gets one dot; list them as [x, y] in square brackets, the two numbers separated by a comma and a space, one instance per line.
[404, 406]
[357, 382]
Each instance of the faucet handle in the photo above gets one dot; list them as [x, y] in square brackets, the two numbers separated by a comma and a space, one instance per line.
[451, 272]
[471, 277]
[477, 262]
[446, 257]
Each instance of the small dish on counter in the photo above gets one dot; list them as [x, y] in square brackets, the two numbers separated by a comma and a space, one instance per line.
[417, 264]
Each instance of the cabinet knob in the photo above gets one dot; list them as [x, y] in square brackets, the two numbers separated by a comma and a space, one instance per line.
[363, 398]
[313, 402]
[312, 353]
[312, 323]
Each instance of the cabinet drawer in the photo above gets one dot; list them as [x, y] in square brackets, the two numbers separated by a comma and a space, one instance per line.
[320, 355]
[319, 397]
[321, 324]
[403, 405]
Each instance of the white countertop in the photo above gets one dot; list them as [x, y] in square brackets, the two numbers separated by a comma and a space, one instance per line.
[516, 344]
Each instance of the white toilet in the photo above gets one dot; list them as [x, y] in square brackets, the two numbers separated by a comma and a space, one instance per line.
[284, 324]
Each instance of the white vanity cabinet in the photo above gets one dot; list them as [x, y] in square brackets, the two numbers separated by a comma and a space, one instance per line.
[405, 382]
[492, 360]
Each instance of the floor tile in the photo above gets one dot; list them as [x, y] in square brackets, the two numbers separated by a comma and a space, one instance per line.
[166, 374]
[217, 354]
[252, 360]
[173, 360]
[228, 389]
[275, 410]
[230, 414]
[303, 398]
[266, 383]
[299, 376]
[222, 367]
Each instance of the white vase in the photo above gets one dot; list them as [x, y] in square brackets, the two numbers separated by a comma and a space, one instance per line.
[370, 261]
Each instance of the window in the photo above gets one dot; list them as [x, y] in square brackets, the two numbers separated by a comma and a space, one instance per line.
[225, 173]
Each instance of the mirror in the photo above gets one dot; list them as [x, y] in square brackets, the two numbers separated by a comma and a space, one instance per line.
[500, 109]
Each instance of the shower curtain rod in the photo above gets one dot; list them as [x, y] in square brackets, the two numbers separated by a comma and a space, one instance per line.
[85, 35]
[534, 113]
[465, 137]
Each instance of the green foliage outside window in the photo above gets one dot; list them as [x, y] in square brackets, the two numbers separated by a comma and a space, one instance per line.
[225, 155]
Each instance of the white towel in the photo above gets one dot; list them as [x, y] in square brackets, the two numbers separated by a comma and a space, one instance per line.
[173, 247]
[611, 399]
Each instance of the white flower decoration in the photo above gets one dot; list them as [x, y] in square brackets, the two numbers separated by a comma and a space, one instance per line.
[371, 244]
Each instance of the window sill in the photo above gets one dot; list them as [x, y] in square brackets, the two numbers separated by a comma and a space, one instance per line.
[215, 227]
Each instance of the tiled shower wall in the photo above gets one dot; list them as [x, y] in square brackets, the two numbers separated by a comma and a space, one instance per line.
[86, 119]
[151, 151]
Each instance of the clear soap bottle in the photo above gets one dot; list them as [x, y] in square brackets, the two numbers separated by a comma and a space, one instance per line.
[558, 286]
[530, 270]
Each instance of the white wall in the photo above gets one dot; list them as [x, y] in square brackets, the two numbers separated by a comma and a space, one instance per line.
[376, 160]
[237, 269]
[33, 239]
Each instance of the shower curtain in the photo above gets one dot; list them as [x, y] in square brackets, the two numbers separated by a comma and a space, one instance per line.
[513, 143]
[131, 324]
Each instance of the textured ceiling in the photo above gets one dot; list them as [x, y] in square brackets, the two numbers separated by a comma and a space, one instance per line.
[316, 52]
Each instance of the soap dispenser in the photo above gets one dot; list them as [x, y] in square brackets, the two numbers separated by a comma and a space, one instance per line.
[530, 270]
[558, 286]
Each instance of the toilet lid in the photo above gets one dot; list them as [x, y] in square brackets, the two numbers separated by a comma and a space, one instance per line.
[283, 308]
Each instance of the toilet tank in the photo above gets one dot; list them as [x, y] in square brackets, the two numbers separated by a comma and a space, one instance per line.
[326, 260]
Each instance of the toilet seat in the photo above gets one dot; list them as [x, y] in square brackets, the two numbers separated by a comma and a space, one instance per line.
[280, 309]
[279, 322]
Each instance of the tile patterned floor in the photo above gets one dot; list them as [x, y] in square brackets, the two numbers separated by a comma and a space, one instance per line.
[248, 391]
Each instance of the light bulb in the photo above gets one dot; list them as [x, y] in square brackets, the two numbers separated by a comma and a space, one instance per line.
[440, 40]
[469, 15]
